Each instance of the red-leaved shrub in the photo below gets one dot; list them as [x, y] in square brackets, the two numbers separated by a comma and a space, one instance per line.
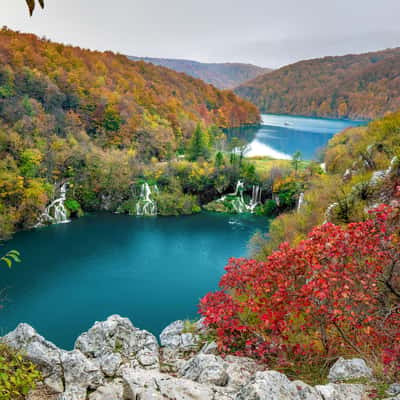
[336, 293]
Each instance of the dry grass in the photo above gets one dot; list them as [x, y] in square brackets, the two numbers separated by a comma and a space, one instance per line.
[42, 392]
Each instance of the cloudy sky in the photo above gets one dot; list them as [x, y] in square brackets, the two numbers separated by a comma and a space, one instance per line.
[263, 32]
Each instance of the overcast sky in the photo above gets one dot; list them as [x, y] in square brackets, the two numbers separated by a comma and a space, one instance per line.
[263, 32]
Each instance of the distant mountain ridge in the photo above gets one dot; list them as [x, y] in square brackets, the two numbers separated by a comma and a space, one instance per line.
[362, 86]
[221, 75]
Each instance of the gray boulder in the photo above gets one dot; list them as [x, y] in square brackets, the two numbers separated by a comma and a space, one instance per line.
[73, 393]
[240, 370]
[342, 391]
[393, 389]
[117, 335]
[110, 391]
[268, 385]
[80, 373]
[344, 370]
[174, 336]
[205, 368]
[232, 371]
[306, 392]
[110, 363]
[209, 348]
[44, 354]
[149, 385]
[70, 373]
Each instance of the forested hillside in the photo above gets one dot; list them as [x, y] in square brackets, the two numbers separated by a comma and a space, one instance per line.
[91, 118]
[221, 75]
[362, 86]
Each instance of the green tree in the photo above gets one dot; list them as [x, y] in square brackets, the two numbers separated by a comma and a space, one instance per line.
[112, 120]
[238, 148]
[219, 160]
[199, 144]
[296, 160]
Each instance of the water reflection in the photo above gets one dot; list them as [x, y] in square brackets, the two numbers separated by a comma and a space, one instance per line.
[280, 136]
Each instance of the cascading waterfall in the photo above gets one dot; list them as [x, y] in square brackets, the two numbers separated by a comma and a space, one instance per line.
[300, 202]
[328, 212]
[146, 205]
[237, 200]
[55, 212]
[255, 198]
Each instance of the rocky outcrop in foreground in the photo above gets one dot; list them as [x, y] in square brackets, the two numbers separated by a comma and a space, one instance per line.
[116, 361]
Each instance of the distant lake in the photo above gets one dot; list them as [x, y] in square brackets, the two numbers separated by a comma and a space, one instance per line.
[280, 136]
[151, 270]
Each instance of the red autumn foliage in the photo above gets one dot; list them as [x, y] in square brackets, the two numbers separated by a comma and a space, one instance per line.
[335, 293]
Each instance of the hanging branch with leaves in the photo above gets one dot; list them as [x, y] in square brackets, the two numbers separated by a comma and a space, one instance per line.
[32, 4]
[10, 257]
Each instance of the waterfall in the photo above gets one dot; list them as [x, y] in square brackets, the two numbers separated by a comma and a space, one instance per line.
[239, 189]
[55, 212]
[146, 205]
[328, 212]
[300, 202]
[255, 198]
[237, 199]
[238, 202]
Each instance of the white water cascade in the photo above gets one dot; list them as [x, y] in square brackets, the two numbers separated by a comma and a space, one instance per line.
[300, 202]
[328, 212]
[146, 205]
[55, 212]
[255, 198]
[237, 199]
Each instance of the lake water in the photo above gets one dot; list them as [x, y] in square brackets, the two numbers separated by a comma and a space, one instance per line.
[152, 270]
[280, 136]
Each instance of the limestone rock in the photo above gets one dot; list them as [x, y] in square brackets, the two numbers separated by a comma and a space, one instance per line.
[74, 393]
[210, 348]
[394, 389]
[146, 385]
[342, 391]
[110, 364]
[117, 335]
[172, 360]
[268, 385]
[240, 370]
[306, 392]
[44, 354]
[174, 336]
[205, 368]
[110, 391]
[349, 369]
[80, 373]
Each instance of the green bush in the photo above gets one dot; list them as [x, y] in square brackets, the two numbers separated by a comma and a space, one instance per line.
[177, 204]
[74, 207]
[218, 206]
[270, 208]
[128, 207]
[17, 375]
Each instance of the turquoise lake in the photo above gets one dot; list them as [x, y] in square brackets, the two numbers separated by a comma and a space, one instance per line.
[280, 136]
[152, 270]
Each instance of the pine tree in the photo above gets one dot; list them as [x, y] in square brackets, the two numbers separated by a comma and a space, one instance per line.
[199, 145]
[219, 160]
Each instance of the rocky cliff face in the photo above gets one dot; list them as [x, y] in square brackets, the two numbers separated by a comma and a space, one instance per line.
[116, 361]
